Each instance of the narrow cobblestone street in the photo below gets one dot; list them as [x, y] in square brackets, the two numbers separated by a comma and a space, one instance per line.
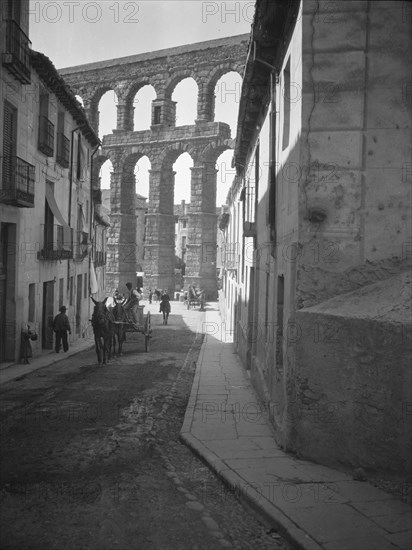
[92, 457]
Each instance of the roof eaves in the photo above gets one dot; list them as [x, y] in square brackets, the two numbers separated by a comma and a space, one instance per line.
[48, 73]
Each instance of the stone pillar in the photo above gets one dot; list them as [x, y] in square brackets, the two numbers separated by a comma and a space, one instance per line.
[202, 229]
[159, 257]
[205, 104]
[163, 113]
[121, 245]
[124, 117]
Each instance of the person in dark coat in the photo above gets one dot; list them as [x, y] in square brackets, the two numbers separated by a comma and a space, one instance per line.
[61, 327]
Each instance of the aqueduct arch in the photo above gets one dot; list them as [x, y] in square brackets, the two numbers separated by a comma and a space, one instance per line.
[205, 62]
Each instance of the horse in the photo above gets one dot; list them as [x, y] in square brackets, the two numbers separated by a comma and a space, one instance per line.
[165, 309]
[102, 323]
[119, 327]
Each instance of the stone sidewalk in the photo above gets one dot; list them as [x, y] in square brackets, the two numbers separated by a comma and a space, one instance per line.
[313, 506]
[15, 370]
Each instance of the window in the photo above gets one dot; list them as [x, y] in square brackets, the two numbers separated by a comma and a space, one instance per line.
[46, 128]
[18, 176]
[82, 236]
[48, 228]
[183, 243]
[63, 144]
[79, 157]
[14, 10]
[286, 105]
[9, 145]
[16, 56]
[184, 224]
[157, 114]
[32, 302]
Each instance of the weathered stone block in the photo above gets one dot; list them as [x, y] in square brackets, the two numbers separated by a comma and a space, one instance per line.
[348, 29]
[337, 148]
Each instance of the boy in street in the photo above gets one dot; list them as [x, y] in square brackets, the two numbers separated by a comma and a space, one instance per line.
[61, 327]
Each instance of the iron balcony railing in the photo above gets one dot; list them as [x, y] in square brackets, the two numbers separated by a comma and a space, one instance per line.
[63, 150]
[46, 136]
[57, 243]
[17, 187]
[17, 55]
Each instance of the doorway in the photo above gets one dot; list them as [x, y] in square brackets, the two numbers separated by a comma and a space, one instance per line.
[79, 304]
[48, 315]
[8, 332]
[251, 325]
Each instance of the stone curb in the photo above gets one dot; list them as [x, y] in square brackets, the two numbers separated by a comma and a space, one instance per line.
[272, 515]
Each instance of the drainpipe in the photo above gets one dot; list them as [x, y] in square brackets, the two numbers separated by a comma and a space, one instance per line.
[91, 213]
[273, 80]
[69, 214]
[91, 187]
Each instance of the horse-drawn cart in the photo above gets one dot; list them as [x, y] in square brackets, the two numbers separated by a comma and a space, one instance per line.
[111, 324]
[195, 299]
[134, 320]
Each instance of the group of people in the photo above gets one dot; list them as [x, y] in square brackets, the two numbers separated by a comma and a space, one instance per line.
[198, 293]
[61, 323]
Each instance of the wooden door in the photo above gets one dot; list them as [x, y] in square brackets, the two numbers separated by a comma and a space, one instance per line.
[48, 315]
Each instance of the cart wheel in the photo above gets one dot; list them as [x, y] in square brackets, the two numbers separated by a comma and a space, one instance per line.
[147, 332]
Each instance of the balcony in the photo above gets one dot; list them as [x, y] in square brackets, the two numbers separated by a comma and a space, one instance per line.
[57, 243]
[46, 136]
[16, 58]
[63, 150]
[17, 182]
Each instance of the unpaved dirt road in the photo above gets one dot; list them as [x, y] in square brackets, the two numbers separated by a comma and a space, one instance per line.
[91, 457]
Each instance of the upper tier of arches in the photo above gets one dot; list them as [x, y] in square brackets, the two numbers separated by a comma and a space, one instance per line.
[206, 63]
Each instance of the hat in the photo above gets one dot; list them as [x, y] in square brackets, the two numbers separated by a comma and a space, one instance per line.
[63, 309]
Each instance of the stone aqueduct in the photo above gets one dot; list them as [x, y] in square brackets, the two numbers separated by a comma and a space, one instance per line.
[206, 63]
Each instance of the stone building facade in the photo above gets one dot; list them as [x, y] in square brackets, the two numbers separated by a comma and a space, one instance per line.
[46, 200]
[205, 62]
[317, 260]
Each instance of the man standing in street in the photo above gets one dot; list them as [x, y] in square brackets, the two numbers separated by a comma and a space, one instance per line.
[61, 327]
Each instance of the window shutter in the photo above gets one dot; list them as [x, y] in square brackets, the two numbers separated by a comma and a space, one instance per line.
[9, 144]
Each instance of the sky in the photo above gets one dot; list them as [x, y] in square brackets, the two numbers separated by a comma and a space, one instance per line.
[73, 32]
